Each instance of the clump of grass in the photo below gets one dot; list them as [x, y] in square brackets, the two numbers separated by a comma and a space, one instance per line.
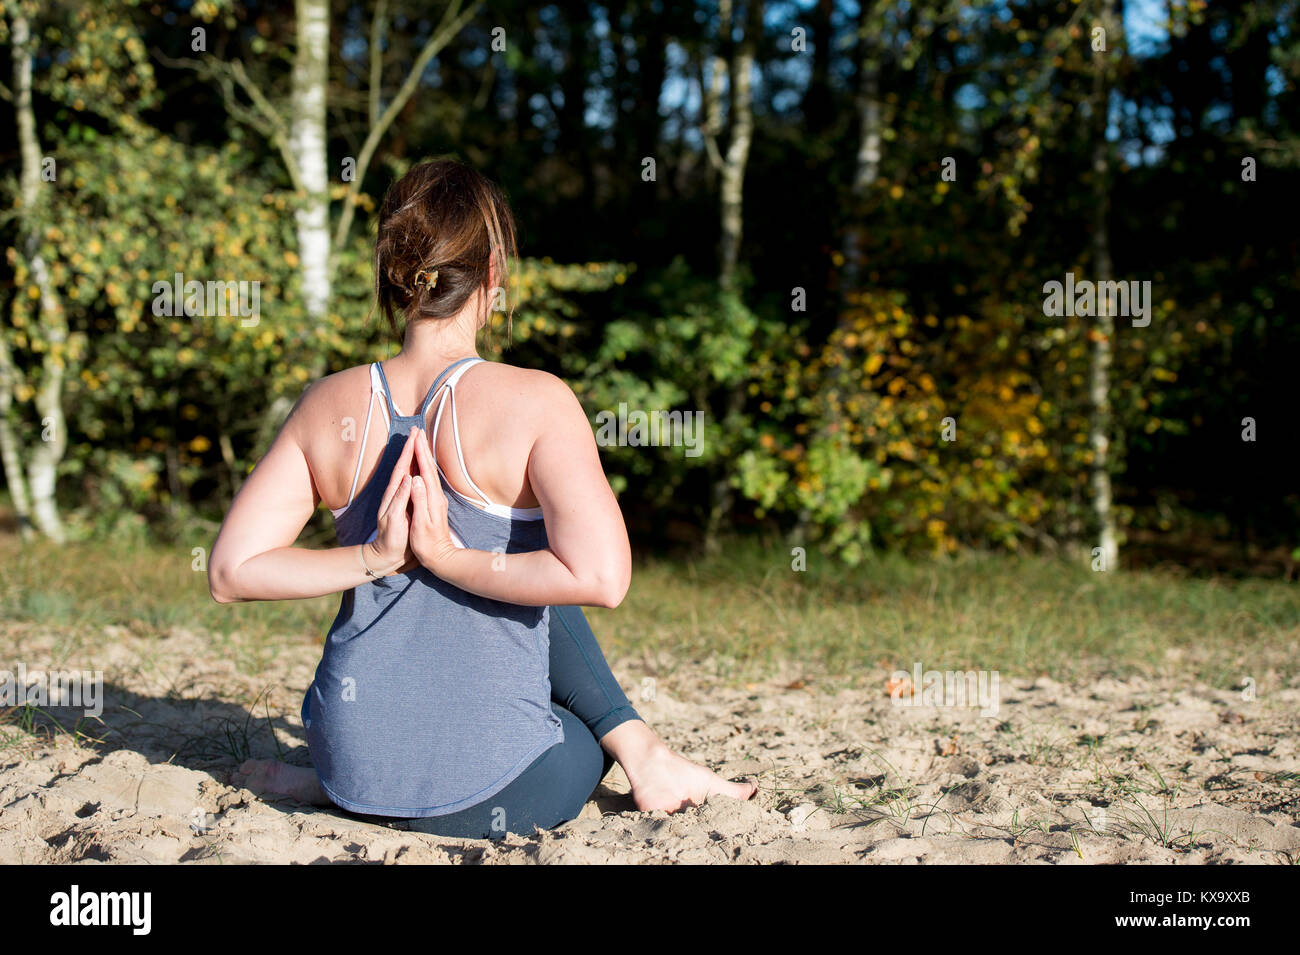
[1043, 746]
[24, 728]
[1158, 826]
[233, 739]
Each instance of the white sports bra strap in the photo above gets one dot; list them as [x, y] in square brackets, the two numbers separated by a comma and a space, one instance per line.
[365, 436]
[450, 386]
[377, 387]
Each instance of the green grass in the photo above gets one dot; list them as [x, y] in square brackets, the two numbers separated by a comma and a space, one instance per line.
[148, 589]
[746, 611]
[1021, 615]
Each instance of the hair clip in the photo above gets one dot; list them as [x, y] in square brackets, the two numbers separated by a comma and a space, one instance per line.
[433, 277]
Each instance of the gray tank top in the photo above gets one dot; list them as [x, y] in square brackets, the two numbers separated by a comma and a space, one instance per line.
[429, 699]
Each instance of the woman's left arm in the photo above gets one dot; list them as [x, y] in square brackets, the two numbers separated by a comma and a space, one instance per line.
[254, 557]
[587, 559]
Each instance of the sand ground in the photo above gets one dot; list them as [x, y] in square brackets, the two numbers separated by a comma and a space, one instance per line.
[1140, 770]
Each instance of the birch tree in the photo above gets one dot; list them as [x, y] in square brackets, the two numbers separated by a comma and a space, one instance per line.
[44, 457]
[1099, 381]
[866, 171]
[740, 72]
[308, 138]
[742, 136]
[10, 451]
[711, 90]
[866, 167]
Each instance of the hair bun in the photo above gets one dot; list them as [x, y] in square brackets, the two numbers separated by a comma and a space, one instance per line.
[445, 234]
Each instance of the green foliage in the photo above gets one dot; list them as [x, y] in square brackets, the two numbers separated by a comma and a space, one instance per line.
[828, 425]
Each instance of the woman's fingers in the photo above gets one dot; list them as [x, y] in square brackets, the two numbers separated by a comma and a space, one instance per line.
[419, 502]
[431, 492]
[437, 500]
[395, 522]
[400, 499]
[424, 458]
[403, 464]
[401, 469]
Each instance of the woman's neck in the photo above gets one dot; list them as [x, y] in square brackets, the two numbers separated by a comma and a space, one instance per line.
[433, 343]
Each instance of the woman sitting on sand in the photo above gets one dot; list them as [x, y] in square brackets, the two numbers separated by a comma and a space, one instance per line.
[451, 689]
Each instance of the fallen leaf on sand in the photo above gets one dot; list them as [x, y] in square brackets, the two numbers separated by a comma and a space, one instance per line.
[898, 687]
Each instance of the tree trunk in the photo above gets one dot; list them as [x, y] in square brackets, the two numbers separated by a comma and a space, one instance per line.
[818, 100]
[1103, 335]
[652, 27]
[43, 463]
[711, 92]
[10, 453]
[308, 139]
[867, 166]
[722, 497]
[865, 173]
[742, 134]
[308, 134]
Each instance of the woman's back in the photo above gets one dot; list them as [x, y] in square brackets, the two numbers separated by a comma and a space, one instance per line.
[500, 412]
[429, 699]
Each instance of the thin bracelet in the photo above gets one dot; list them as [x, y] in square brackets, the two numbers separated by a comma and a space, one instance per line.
[369, 573]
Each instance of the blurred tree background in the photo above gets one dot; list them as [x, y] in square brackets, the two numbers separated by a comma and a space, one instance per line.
[827, 225]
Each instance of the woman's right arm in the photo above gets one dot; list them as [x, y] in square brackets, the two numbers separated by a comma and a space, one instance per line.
[588, 560]
[254, 557]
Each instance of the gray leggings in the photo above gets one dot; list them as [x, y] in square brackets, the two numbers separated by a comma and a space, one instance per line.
[556, 785]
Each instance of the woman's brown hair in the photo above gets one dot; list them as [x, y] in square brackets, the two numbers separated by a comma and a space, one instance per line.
[445, 231]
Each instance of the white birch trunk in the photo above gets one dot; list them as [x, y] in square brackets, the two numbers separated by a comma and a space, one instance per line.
[732, 221]
[308, 139]
[870, 136]
[737, 156]
[308, 136]
[43, 462]
[11, 456]
[1099, 384]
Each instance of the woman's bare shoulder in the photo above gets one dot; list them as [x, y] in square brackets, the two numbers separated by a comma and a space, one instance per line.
[534, 384]
[331, 400]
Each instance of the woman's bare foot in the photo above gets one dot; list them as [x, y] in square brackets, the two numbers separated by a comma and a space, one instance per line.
[270, 777]
[660, 778]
